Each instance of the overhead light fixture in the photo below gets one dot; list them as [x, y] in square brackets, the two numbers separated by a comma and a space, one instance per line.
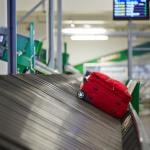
[89, 37]
[84, 31]
[72, 25]
[87, 26]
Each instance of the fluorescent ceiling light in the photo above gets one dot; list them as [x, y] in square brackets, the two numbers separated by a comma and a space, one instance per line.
[89, 37]
[87, 26]
[72, 25]
[84, 22]
[84, 31]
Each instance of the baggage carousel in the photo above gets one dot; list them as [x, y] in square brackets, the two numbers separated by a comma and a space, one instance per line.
[42, 112]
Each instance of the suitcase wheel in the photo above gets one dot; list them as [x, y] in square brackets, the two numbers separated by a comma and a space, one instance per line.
[81, 94]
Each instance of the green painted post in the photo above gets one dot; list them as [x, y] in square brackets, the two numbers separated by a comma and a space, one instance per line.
[65, 57]
[32, 48]
[135, 97]
[65, 47]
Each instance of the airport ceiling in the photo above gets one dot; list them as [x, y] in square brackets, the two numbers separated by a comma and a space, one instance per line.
[97, 13]
[72, 6]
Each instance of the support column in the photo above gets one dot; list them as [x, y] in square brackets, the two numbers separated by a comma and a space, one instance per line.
[59, 35]
[12, 48]
[51, 57]
[130, 50]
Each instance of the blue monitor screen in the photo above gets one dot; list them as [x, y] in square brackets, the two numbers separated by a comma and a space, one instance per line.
[130, 9]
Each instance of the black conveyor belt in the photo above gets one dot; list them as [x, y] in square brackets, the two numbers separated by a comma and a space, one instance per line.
[42, 113]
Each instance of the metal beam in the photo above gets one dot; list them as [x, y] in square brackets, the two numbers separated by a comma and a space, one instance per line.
[51, 56]
[30, 12]
[130, 50]
[141, 33]
[59, 35]
[141, 49]
[12, 48]
[125, 33]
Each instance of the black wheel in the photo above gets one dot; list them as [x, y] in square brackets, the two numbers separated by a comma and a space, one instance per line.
[81, 94]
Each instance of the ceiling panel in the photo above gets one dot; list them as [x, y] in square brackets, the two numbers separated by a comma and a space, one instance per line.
[26, 5]
[71, 6]
[87, 6]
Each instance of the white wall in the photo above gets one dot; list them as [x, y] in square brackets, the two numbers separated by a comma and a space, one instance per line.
[3, 23]
[3, 68]
[3, 13]
[81, 51]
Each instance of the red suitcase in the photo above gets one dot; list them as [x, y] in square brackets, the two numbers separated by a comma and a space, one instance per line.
[105, 93]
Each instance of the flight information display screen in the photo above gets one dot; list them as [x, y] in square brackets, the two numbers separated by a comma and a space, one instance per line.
[130, 9]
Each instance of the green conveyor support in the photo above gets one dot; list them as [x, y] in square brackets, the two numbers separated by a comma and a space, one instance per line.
[135, 97]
